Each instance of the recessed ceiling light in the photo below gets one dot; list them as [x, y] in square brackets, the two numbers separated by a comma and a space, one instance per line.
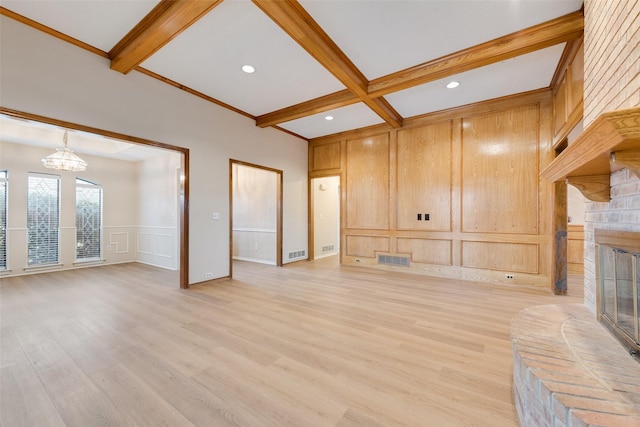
[453, 84]
[328, 117]
[248, 69]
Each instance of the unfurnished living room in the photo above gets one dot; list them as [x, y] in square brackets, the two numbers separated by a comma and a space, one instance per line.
[320, 213]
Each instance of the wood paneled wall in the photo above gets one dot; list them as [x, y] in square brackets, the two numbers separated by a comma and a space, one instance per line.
[472, 171]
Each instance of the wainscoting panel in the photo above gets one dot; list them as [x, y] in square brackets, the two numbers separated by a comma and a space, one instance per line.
[366, 246]
[509, 257]
[426, 250]
[158, 246]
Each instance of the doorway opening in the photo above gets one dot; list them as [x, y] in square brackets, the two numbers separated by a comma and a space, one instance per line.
[256, 214]
[325, 217]
[165, 246]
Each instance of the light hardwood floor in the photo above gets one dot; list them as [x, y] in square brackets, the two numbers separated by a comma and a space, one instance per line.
[310, 344]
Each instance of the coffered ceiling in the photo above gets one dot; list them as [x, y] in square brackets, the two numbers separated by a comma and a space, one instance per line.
[362, 62]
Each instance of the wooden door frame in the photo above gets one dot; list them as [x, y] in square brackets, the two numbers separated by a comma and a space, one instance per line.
[183, 263]
[279, 181]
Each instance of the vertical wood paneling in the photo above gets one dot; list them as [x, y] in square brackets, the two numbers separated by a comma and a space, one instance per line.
[500, 171]
[424, 177]
[325, 156]
[577, 78]
[367, 202]
[560, 113]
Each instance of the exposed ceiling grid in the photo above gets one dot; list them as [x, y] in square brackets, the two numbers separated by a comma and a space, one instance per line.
[376, 38]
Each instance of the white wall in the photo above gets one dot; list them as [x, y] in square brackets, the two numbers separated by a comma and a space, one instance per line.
[159, 217]
[42, 75]
[255, 222]
[120, 204]
[326, 216]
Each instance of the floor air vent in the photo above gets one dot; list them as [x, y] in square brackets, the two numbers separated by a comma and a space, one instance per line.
[393, 260]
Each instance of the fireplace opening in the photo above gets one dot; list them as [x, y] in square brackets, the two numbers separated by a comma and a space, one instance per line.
[619, 279]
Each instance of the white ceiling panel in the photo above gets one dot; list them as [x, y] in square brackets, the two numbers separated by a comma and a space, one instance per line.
[48, 136]
[385, 36]
[208, 57]
[520, 74]
[346, 118]
[99, 23]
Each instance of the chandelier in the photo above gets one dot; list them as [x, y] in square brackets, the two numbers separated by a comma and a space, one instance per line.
[64, 159]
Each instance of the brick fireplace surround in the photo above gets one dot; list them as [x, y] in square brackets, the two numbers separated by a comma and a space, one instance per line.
[568, 369]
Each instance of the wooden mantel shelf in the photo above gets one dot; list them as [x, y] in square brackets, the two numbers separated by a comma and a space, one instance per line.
[610, 143]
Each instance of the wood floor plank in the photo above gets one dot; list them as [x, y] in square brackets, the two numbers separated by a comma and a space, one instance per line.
[308, 344]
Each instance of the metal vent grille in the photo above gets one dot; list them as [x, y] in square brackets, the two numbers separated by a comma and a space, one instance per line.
[328, 248]
[297, 254]
[393, 260]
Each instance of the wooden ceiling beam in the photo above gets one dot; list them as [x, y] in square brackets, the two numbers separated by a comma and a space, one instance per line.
[168, 19]
[563, 29]
[301, 27]
[308, 108]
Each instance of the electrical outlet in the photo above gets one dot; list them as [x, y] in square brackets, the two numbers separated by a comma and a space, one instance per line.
[426, 217]
[108, 248]
[419, 217]
[208, 275]
[508, 276]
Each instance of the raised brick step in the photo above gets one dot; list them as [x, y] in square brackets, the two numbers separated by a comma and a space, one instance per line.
[570, 371]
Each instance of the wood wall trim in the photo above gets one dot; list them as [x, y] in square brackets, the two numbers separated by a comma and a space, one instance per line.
[559, 30]
[184, 199]
[48, 30]
[590, 153]
[303, 29]
[503, 103]
[165, 21]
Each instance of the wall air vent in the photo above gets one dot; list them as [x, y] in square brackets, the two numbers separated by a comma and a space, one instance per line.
[393, 260]
[297, 254]
[328, 248]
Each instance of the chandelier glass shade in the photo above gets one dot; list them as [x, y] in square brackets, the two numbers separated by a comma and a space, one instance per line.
[64, 159]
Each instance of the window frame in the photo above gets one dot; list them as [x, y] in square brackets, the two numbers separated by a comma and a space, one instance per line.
[84, 183]
[58, 180]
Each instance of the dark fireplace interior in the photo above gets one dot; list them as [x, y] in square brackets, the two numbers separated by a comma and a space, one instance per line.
[619, 279]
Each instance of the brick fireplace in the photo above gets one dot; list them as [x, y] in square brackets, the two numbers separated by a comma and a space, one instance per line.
[618, 298]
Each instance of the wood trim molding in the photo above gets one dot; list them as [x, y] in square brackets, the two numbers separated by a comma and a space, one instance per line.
[184, 199]
[563, 29]
[303, 29]
[48, 30]
[566, 28]
[165, 21]
[591, 154]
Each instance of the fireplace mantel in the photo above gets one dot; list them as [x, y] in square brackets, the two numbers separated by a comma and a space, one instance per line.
[610, 143]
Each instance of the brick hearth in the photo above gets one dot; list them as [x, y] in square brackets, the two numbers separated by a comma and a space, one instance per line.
[569, 370]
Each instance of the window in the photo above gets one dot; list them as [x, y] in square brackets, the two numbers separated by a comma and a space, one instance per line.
[3, 220]
[88, 220]
[43, 219]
